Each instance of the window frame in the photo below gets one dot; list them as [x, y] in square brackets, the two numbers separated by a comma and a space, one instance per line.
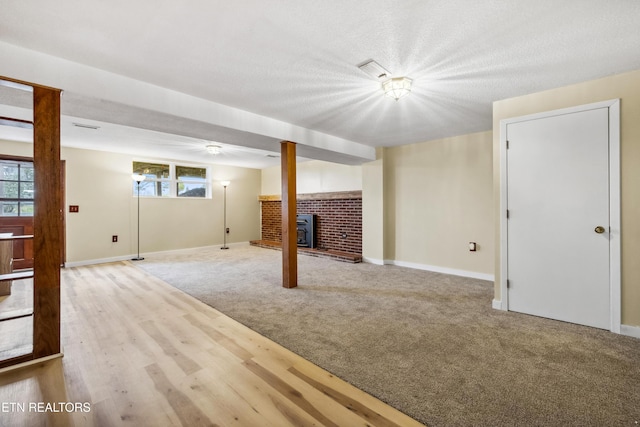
[173, 180]
[20, 162]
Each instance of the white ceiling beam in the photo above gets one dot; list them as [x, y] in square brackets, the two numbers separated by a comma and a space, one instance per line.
[99, 86]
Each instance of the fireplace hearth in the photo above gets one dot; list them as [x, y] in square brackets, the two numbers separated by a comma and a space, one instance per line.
[306, 228]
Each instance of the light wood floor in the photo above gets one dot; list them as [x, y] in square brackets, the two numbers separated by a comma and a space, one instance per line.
[142, 353]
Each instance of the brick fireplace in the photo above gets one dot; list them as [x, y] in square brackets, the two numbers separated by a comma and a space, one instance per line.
[338, 217]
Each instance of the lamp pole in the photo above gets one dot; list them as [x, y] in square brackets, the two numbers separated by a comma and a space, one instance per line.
[224, 204]
[138, 179]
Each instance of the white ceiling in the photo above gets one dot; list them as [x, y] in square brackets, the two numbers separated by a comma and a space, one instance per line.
[296, 61]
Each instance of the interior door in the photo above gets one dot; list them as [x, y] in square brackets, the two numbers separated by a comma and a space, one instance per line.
[558, 226]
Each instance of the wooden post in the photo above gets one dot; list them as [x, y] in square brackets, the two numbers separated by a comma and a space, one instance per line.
[47, 222]
[289, 233]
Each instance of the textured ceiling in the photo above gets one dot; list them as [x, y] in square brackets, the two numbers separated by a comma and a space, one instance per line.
[296, 61]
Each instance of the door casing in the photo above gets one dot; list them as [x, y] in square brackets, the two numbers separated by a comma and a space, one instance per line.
[614, 203]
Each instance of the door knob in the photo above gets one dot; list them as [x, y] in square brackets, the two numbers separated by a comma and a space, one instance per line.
[599, 229]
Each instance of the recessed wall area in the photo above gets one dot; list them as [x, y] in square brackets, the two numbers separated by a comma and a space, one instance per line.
[338, 231]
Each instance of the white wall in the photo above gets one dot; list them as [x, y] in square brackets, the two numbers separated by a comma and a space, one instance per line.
[315, 176]
[100, 184]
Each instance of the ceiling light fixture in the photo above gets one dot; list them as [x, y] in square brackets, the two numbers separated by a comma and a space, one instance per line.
[213, 149]
[397, 87]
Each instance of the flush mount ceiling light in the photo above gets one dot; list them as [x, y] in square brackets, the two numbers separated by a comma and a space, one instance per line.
[394, 87]
[397, 87]
[213, 149]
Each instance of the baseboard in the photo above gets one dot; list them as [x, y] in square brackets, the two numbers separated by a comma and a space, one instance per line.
[632, 331]
[32, 362]
[98, 261]
[373, 260]
[128, 257]
[444, 270]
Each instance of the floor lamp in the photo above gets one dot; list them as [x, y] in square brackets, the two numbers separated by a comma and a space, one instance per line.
[224, 204]
[138, 179]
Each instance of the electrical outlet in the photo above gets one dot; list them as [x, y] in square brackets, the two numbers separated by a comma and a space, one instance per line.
[114, 239]
[227, 230]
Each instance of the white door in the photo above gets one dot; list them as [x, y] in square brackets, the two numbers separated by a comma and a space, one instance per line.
[557, 197]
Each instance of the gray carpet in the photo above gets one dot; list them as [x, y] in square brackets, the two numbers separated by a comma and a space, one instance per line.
[428, 344]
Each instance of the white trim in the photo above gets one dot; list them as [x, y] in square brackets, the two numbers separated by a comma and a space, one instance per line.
[615, 203]
[173, 179]
[373, 260]
[613, 106]
[99, 260]
[504, 273]
[445, 270]
[146, 254]
[496, 304]
[31, 362]
[631, 331]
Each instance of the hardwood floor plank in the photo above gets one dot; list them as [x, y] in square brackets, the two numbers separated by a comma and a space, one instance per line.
[324, 379]
[256, 395]
[188, 413]
[289, 392]
[153, 356]
[185, 363]
[220, 338]
[353, 405]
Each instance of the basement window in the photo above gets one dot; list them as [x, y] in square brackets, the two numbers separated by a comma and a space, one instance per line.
[192, 181]
[16, 188]
[172, 180]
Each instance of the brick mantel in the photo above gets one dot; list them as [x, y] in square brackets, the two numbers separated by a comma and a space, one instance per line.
[316, 196]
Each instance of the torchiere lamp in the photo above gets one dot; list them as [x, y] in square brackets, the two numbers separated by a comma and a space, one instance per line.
[138, 179]
[225, 184]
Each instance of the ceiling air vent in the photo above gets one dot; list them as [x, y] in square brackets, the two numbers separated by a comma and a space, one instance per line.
[375, 70]
[85, 126]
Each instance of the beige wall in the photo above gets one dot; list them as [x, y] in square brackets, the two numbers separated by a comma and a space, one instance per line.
[627, 88]
[373, 209]
[438, 198]
[315, 176]
[100, 183]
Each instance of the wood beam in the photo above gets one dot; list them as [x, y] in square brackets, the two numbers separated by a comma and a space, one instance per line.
[47, 222]
[289, 233]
